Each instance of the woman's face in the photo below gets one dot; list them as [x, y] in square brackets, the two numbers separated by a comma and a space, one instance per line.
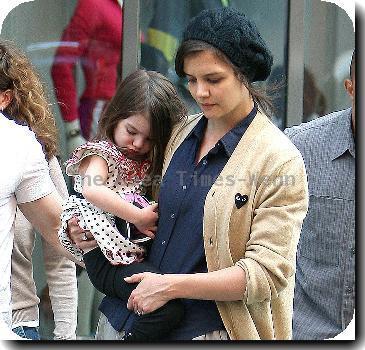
[215, 87]
[132, 136]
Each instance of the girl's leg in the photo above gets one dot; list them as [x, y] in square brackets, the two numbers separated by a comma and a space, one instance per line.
[109, 279]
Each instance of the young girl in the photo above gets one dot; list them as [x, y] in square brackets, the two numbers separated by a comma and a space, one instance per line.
[123, 162]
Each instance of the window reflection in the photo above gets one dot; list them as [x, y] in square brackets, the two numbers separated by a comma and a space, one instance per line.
[162, 30]
[329, 40]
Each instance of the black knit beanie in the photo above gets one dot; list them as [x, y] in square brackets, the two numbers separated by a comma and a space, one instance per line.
[236, 36]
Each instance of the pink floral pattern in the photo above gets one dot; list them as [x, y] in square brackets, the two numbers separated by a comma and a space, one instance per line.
[125, 177]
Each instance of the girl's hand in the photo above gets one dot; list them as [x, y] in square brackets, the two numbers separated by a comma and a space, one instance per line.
[146, 221]
[150, 294]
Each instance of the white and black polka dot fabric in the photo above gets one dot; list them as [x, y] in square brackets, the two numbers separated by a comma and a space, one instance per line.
[124, 176]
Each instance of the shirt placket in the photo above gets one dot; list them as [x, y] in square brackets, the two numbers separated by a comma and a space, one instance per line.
[188, 180]
[181, 183]
[349, 281]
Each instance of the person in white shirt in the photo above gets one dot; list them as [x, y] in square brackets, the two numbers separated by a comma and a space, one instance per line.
[25, 176]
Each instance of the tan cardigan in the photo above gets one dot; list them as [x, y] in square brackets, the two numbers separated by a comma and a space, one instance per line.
[261, 237]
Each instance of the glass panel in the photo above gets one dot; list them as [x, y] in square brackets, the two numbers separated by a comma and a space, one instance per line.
[39, 39]
[328, 45]
[75, 46]
[162, 23]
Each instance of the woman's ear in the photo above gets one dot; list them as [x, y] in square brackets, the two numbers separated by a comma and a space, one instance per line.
[349, 86]
[5, 98]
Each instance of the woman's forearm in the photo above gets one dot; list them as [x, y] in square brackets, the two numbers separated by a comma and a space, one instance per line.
[228, 284]
[155, 290]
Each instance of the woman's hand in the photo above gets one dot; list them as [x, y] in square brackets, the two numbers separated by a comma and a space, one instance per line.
[150, 294]
[83, 239]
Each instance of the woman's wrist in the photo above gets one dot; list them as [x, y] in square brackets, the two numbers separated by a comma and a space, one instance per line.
[173, 289]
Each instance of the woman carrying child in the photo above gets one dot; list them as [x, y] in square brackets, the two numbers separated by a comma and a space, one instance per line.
[231, 203]
[123, 162]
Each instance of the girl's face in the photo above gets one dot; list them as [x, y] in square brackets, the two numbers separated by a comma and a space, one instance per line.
[132, 136]
[215, 87]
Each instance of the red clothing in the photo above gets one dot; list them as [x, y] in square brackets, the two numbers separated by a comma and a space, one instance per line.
[92, 37]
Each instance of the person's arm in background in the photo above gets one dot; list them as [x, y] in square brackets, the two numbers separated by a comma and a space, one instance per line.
[44, 214]
[61, 274]
[73, 43]
[37, 197]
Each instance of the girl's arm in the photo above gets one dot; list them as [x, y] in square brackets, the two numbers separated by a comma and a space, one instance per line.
[155, 290]
[94, 170]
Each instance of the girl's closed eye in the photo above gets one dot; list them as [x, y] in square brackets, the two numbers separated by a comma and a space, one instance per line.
[214, 81]
[131, 132]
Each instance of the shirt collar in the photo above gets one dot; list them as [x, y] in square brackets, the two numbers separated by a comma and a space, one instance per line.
[342, 138]
[232, 137]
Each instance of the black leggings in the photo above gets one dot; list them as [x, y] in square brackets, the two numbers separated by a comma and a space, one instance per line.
[109, 279]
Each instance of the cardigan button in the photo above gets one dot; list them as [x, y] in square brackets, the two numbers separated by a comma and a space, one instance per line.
[211, 241]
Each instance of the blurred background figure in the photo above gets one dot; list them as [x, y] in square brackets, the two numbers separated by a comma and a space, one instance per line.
[314, 100]
[92, 38]
[161, 31]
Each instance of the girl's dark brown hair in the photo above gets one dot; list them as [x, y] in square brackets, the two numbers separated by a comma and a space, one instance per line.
[29, 104]
[151, 94]
[188, 47]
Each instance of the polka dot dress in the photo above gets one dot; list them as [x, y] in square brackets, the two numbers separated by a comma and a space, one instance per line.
[125, 176]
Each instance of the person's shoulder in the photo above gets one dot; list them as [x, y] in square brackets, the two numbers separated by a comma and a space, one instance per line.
[16, 133]
[276, 142]
[316, 128]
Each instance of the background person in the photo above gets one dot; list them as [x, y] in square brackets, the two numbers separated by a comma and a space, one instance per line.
[93, 38]
[325, 279]
[226, 246]
[314, 100]
[25, 177]
[27, 105]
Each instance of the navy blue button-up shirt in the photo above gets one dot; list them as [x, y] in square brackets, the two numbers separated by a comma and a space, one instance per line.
[178, 246]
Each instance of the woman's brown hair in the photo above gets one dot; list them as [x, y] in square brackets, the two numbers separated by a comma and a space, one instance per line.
[29, 104]
[151, 94]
